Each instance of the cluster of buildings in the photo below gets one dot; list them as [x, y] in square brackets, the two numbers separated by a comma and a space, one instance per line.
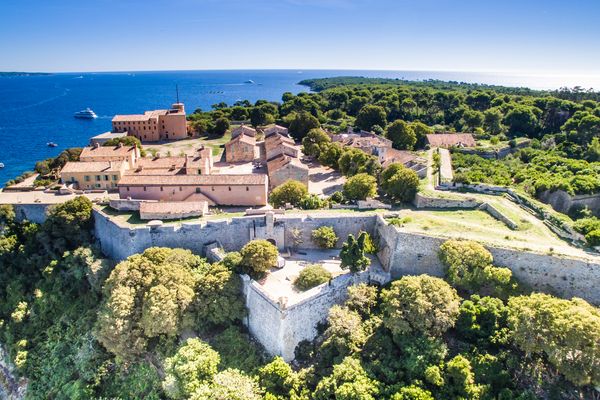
[381, 148]
[191, 179]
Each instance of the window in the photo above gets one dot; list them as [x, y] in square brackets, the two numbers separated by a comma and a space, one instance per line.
[98, 185]
[180, 189]
[105, 177]
[212, 188]
[86, 178]
[198, 190]
[161, 188]
[128, 188]
[97, 177]
[230, 188]
[247, 189]
[199, 172]
[144, 188]
[115, 177]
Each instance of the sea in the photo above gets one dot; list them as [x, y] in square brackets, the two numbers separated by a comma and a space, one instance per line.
[38, 109]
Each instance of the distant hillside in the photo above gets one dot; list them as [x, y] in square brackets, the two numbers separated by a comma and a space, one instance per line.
[16, 73]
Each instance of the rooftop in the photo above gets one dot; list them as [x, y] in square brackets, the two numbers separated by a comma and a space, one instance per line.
[451, 140]
[110, 135]
[243, 129]
[193, 180]
[106, 151]
[172, 207]
[92, 166]
[281, 161]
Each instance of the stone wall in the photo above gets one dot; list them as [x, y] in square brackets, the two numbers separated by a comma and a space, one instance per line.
[561, 201]
[279, 327]
[120, 241]
[31, 212]
[425, 201]
[406, 253]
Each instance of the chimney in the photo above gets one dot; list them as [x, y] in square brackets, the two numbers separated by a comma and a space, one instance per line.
[97, 145]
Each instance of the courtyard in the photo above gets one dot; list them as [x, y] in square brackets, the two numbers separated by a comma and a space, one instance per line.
[280, 281]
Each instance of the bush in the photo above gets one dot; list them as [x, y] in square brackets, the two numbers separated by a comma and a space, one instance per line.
[312, 202]
[353, 253]
[362, 298]
[593, 238]
[292, 192]
[312, 276]
[360, 187]
[258, 256]
[399, 183]
[324, 237]
[194, 364]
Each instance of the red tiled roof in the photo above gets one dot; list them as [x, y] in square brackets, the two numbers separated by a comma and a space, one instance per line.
[193, 180]
[281, 161]
[106, 151]
[451, 139]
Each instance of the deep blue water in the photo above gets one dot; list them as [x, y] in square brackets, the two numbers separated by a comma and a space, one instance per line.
[37, 109]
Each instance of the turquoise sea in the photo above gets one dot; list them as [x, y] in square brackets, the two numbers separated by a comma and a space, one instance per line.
[35, 110]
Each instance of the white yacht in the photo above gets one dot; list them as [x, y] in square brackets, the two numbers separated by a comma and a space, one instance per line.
[86, 114]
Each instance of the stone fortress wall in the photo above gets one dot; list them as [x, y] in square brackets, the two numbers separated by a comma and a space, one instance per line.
[279, 326]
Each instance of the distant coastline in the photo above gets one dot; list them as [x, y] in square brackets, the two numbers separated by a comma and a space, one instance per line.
[17, 73]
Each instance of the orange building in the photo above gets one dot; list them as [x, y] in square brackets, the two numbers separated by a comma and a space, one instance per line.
[153, 126]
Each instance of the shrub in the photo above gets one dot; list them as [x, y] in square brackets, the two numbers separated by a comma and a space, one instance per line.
[232, 261]
[312, 202]
[258, 256]
[399, 183]
[593, 238]
[324, 237]
[312, 276]
[277, 377]
[362, 298]
[238, 350]
[360, 187]
[291, 192]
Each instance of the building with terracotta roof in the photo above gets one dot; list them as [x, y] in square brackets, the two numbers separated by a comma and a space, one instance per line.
[284, 168]
[366, 141]
[447, 140]
[93, 175]
[409, 159]
[129, 154]
[154, 125]
[241, 148]
[273, 129]
[277, 144]
[243, 130]
[224, 190]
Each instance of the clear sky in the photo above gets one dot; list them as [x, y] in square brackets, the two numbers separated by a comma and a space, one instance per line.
[523, 36]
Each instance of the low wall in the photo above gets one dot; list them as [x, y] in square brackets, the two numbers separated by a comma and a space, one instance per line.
[127, 204]
[494, 212]
[406, 253]
[424, 201]
[562, 202]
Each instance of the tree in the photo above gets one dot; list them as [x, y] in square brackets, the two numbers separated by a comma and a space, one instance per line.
[218, 295]
[567, 332]
[330, 154]
[221, 126]
[492, 121]
[360, 187]
[277, 377]
[352, 254]
[126, 141]
[230, 384]
[355, 161]
[421, 131]
[369, 116]
[290, 192]
[483, 320]
[348, 381]
[399, 183]
[401, 134]
[344, 335]
[147, 296]
[258, 116]
[522, 120]
[194, 364]
[302, 123]
[362, 298]
[460, 380]
[311, 276]
[258, 256]
[469, 267]
[413, 392]
[68, 225]
[239, 113]
[314, 142]
[419, 305]
[473, 119]
[324, 237]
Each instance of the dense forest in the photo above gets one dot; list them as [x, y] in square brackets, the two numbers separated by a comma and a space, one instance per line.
[166, 324]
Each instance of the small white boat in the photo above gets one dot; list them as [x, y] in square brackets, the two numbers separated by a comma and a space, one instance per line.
[250, 81]
[85, 114]
[51, 144]
[1, 165]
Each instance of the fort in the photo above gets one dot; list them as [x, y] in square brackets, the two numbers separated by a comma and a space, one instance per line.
[280, 323]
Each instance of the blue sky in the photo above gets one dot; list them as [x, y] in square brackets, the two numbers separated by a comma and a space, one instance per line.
[524, 36]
